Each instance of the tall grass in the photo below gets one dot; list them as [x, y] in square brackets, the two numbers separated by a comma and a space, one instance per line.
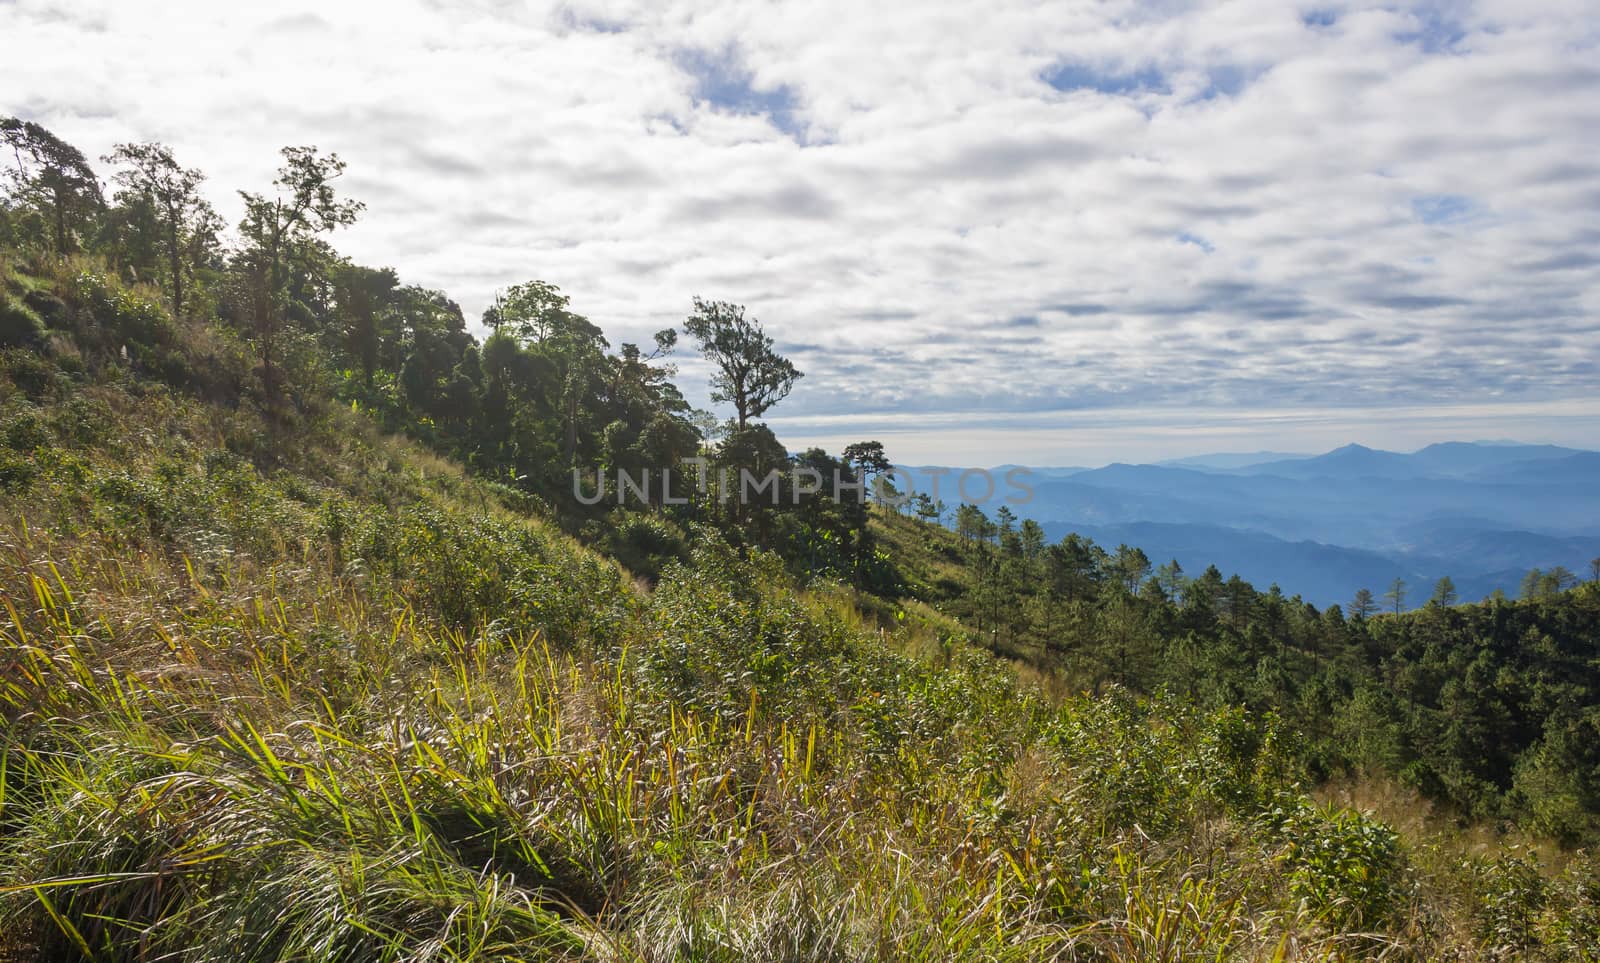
[334, 701]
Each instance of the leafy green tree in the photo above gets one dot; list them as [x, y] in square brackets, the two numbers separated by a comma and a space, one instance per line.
[537, 313]
[366, 300]
[276, 228]
[189, 225]
[750, 374]
[869, 460]
[567, 348]
[52, 177]
[1363, 605]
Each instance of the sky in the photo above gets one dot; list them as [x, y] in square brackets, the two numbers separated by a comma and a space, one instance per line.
[1046, 233]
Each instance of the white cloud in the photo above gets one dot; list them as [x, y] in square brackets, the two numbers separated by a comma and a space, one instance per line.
[1397, 203]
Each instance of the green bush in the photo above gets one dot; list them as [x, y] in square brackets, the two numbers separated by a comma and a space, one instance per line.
[23, 430]
[20, 326]
[16, 472]
[1343, 864]
[31, 373]
[645, 544]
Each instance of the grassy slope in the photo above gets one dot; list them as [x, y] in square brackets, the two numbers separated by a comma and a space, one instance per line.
[310, 693]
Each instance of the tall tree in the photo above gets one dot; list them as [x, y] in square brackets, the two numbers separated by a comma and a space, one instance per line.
[303, 206]
[1363, 604]
[538, 315]
[1444, 592]
[366, 306]
[174, 193]
[870, 461]
[52, 176]
[1170, 578]
[1396, 596]
[750, 374]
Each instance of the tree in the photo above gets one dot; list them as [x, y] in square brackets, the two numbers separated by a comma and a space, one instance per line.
[1363, 604]
[1444, 592]
[52, 176]
[1539, 583]
[1396, 596]
[1171, 580]
[366, 300]
[1031, 537]
[868, 458]
[304, 206]
[537, 313]
[1131, 565]
[750, 374]
[174, 193]
[1594, 570]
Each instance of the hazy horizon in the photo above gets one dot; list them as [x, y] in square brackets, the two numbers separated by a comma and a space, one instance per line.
[1095, 438]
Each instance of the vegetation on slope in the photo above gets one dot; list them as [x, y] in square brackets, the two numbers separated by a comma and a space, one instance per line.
[277, 685]
[1490, 709]
[350, 706]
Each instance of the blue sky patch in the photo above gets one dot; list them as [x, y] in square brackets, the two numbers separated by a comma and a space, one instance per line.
[723, 81]
[1443, 208]
[1067, 77]
[1436, 32]
[1227, 80]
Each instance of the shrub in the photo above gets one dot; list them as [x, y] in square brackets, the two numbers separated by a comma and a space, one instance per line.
[645, 544]
[16, 473]
[1343, 864]
[24, 430]
[30, 372]
[20, 326]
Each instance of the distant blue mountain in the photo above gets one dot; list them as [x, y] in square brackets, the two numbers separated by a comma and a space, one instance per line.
[1351, 461]
[1447, 459]
[1465, 458]
[1323, 526]
[1229, 461]
[1574, 469]
[1321, 574]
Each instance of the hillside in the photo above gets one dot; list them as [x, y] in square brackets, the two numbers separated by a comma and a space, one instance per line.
[285, 691]
[306, 658]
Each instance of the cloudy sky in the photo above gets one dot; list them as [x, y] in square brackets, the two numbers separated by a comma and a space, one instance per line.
[1056, 233]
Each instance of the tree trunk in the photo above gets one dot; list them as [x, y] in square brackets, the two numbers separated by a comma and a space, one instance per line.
[61, 226]
[175, 263]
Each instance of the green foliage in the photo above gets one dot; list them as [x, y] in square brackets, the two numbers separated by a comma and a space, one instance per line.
[20, 325]
[1486, 708]
[280, 686]
[644, 544]
[1347, 867]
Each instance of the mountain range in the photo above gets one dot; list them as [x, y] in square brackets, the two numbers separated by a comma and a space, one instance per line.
[1323, 526]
